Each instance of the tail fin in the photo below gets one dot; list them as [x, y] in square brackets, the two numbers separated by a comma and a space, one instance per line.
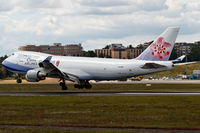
[161, 48]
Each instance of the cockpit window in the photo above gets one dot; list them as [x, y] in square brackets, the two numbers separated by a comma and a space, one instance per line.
[11, 55]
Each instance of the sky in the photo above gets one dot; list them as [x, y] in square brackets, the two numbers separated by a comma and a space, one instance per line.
[94, 23]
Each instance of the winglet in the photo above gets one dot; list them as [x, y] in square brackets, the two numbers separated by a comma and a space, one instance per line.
[48, 59]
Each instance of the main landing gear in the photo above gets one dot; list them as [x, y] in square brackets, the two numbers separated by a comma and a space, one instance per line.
[19, 81]
[83, 84]
[63, 85]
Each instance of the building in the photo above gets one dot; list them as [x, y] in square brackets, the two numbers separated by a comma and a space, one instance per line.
[184, 48]
[119, 51]
[55, 49]
[134, 52]
[73, 50]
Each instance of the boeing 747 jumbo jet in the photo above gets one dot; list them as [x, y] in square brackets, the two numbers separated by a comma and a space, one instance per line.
[37, 66]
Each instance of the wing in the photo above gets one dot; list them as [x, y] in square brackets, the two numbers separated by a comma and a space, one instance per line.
[53, 71]
[152, 66]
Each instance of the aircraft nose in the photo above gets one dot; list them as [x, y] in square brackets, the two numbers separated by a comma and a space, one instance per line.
[4, 63]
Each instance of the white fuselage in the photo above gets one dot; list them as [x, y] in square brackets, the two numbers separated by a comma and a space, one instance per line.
[84, 67]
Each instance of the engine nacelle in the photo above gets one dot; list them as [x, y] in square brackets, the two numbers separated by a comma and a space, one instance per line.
[35, 75]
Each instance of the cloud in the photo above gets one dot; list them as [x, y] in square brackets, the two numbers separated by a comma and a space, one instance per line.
[103, 3]
[129, 40]
[113, 7]
[94, 23]
[6, 6]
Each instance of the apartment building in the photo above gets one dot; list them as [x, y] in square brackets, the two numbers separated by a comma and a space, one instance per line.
[119, 51]
[55, 49]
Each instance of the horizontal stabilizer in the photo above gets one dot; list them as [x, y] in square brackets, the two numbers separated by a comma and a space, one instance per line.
[185, 63]
[152, 66]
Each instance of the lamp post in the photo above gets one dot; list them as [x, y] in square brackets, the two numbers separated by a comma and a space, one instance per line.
[186, 68]
[186, 59]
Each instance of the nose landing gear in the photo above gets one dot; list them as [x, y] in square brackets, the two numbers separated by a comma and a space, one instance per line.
[19, 81]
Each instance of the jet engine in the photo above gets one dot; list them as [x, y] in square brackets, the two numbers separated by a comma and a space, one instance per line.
[35, 75]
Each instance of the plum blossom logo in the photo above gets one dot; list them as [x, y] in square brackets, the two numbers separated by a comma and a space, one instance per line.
[160, 48]
[57, 63]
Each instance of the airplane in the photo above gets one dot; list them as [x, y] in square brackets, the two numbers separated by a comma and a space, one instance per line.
[37, 66]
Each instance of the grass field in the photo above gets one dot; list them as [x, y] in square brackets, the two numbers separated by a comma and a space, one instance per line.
[102, 111]
[99, 111]
[28, 130]
[102, 87]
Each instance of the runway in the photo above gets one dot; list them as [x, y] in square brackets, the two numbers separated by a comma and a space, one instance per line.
[43, 93]
[144, 81]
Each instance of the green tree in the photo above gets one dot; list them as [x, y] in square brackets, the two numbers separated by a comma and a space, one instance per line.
[140, 46]
[194, 54]
[173, 55]
[101, 55]
[130, 46]
[4, 73]
[89, 53]
[108, 56]
[107, 47]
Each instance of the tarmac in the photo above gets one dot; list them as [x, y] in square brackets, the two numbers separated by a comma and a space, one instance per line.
[144, 81]
[59, 93]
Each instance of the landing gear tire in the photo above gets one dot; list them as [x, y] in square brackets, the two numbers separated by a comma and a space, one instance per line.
[19, 81]
[63, 86]
[78, 86]
[89, 86]
[83, 84]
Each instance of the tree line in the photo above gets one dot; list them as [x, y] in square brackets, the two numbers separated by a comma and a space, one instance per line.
[4, 73]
